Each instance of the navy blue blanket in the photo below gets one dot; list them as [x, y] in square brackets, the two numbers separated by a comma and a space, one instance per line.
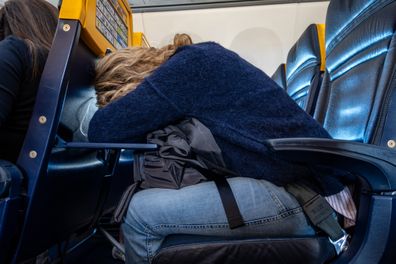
[239, 103]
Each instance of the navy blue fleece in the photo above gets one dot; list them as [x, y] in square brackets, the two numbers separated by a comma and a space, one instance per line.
[239, 103]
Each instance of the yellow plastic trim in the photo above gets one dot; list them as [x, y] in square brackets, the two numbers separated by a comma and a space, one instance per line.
[85, 12]
[72, 9]
[321, 37]
[139, 40]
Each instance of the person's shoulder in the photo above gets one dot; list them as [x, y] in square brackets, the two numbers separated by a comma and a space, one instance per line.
[210, 53]
[14, 47]
[13, 42]
[203, 48]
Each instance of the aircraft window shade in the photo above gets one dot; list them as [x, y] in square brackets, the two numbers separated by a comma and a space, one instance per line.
[106, 24]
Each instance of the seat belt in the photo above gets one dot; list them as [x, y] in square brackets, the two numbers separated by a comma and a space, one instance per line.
[320, 213]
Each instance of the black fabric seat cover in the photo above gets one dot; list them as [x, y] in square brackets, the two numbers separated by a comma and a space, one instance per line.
[252, 251]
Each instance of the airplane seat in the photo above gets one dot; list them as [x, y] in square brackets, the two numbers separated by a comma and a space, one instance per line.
[67, 181]
[78, 109]
[80, 101]
[63, 185]
[355, 103]
[360, 69]
[11, 200]
[356, 106]
[305, 66]
[279, 76]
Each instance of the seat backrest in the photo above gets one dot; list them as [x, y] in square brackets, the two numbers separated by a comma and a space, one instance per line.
[304, 67]
[357, 102]
[67, 188]
[357, 98]
[279, 76]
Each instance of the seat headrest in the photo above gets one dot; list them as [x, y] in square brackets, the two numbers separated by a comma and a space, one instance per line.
[343, 16]
[305, 62]
[306, 51]
[360, 63]
[279, 76]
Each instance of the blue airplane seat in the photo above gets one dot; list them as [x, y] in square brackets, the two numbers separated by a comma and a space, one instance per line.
[356, 102]
[68, 183]
[62, 185]
[356, 105]
[305, 66]
[279, 76]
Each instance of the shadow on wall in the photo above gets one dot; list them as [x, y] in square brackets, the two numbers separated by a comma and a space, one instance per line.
[260, 46]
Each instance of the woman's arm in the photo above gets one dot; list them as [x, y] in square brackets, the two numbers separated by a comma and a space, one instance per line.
[181, 87]
[12, 68]
[131, 117]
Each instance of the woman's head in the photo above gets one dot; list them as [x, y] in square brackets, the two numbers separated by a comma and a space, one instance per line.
[121, 71]
[34, 21]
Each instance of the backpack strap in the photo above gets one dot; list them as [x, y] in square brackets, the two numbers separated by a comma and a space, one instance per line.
[320, 213]
[234, 216]
[230, 205]
[123, 204]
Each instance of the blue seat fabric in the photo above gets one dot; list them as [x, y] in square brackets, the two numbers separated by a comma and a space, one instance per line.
[72, 188]
[303, 74]
[356, 102]
[67, 190]
[279, 76]
[360, 63]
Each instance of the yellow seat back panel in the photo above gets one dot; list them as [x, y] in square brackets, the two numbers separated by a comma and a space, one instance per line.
[106, 24]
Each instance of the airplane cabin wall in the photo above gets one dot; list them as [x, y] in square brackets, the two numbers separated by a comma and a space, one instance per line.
[261, 34]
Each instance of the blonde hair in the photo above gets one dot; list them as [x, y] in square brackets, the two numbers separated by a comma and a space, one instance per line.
[123, 70]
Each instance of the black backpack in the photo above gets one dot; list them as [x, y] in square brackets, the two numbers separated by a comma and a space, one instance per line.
[187, 154]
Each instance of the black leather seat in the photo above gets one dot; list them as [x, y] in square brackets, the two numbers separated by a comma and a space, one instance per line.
[355, 103]
[279, 76]
[305, 66]
[302, 74]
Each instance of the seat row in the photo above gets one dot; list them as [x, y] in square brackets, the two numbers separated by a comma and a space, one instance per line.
[347, 83]
[69, 184]
[301, 75]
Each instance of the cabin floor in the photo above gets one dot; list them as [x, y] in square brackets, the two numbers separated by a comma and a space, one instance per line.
[95, 250]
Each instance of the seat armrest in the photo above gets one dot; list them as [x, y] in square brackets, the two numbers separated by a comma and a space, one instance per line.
[377, 165]
[94, 145]
[10, 180]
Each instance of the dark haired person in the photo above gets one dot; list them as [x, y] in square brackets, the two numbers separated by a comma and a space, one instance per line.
[144, 89]
[27, 28]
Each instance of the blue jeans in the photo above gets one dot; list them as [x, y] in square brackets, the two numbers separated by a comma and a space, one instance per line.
[267, 210]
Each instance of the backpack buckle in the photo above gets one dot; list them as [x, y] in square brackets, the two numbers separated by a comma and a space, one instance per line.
[340, 244]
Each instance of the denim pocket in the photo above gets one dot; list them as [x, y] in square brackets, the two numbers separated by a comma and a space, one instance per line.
[284, 200]
[275, 198]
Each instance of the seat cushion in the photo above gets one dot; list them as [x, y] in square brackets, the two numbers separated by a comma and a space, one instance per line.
[252, 251]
